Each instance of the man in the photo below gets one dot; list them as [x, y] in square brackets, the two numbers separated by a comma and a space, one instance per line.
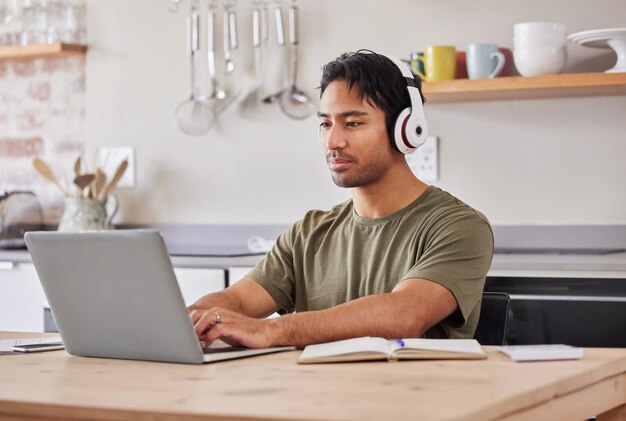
[400, 259]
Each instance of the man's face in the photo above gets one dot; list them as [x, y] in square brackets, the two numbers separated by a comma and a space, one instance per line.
[354, 136]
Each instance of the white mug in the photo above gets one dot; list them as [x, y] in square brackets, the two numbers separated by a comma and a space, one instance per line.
[484, 61]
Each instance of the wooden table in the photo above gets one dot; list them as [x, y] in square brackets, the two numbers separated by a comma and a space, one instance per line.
[55, 385]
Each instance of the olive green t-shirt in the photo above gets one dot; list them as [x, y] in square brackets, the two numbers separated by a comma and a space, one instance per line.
[331, 257]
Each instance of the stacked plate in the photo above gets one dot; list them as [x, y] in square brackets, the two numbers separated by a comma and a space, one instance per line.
[614, 38]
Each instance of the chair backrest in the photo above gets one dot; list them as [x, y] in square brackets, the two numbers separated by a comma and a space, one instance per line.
[494, 313]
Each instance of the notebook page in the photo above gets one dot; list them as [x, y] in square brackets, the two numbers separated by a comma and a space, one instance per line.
[348, 346]
[466, 346]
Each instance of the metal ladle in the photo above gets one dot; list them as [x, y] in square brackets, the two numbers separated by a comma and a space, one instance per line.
[295, 103]
[194, 116]
[220, 99]
[280, 35]
[252, 98]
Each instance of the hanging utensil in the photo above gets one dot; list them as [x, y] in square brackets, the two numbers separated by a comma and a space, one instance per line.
[216, 91]
[295, 103]
[194, 116]
[174, 5]
[280, 35]
[229, 64]
[232, 30]
[250, 101]
[264, 23]
[220, 99]
[232, 26]
[44, 170]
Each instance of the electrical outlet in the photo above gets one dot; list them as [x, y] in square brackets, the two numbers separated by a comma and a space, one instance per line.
[110, 158]
[424, 161]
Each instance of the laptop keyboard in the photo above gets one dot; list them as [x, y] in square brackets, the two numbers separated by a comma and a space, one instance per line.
[220, 350]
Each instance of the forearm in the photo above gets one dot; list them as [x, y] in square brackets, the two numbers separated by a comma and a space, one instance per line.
[217, 299]
[244, 297]
[389, 315]
[408, 311]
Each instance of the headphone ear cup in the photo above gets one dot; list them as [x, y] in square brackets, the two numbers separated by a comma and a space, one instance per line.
[400, 140]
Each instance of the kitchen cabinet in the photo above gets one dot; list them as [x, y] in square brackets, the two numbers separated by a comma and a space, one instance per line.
[23, 303]
[521, 87]
[235, 273]
[21, 52]
[196, 282]
[22, 300]
[587, 311]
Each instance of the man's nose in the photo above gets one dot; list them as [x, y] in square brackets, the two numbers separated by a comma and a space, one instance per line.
[335, 138]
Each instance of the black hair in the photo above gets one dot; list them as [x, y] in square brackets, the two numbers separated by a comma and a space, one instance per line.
[379, 81]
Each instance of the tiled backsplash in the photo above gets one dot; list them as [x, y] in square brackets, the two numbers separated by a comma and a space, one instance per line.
[42, 113]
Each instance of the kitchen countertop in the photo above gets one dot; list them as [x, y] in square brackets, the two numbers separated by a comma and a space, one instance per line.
[566, 251]
[535, 265]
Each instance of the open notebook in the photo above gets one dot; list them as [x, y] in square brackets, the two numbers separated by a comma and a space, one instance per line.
[370, 349]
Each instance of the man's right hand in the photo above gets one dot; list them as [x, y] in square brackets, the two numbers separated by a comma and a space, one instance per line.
[244, 299]
[233, 328]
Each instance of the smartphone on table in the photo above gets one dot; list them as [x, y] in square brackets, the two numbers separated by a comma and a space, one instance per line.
[51, 346]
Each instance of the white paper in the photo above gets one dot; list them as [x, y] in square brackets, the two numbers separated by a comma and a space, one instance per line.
[6, 344]
[541, 352]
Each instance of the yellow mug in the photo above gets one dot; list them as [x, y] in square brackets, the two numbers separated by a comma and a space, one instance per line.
[439, 63]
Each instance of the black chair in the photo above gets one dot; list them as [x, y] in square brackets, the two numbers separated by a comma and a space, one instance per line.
[494, 314]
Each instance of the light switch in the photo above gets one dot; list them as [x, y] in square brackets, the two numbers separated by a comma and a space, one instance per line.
[424, 162]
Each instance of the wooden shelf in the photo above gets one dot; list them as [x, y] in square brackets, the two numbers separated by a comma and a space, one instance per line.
[20, 52]
[519, 87]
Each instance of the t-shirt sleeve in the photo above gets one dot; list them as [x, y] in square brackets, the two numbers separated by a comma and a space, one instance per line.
[457, 255]
[275, 272]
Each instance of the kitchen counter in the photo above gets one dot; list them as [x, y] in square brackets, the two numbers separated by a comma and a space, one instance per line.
[573, 251]
[201, 246]
[609, 265]
[213, 262]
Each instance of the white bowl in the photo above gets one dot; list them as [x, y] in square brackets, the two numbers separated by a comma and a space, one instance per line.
[524, 28]
[539, 60]
[535, 39]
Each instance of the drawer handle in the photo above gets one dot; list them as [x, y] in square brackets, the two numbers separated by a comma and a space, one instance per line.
[604, 299]
[7, 265]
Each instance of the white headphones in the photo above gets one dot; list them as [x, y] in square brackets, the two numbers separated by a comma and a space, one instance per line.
[410, 129]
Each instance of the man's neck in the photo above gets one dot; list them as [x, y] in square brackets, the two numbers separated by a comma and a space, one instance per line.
[398, 189]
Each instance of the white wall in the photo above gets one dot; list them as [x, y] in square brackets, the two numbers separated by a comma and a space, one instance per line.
[536, 161]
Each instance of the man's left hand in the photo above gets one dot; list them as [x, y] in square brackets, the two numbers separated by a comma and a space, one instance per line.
[231, 327]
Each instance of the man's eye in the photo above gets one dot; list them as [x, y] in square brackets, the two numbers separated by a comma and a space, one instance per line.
[353, 123]
[324, 125]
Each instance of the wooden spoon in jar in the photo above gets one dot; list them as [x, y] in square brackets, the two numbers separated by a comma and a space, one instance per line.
[99, 182]
[77, 167]
[44, 170]
[119, 172]
[83, 181]
[77, 173]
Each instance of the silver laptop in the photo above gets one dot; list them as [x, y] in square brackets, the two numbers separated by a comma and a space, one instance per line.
[113, 294]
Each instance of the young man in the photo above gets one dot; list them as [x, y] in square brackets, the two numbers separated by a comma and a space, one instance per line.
[400, 259]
